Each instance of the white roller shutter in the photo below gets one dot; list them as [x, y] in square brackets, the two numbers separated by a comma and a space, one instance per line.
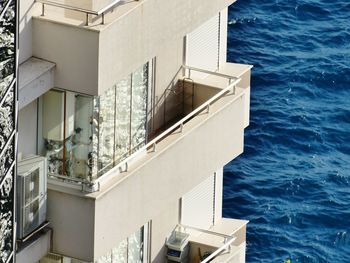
[197, 206]
[202, 45]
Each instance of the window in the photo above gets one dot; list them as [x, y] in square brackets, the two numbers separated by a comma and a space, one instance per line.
[84, 136]
[131, 250]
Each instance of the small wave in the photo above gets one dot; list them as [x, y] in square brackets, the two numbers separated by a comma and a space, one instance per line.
[292, 181]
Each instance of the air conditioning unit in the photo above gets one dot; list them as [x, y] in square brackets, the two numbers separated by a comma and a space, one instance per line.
[31, 195]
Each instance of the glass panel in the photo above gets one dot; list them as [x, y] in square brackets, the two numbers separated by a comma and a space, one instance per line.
[135, 247]
[120, 253]
[122, 134]
[69, 135]
[93, 163]
[52, 130]
[128, 251]
[139, 107]
[106, 123]
[82, 138]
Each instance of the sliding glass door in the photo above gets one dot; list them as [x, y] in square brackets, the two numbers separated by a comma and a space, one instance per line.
[84, 136]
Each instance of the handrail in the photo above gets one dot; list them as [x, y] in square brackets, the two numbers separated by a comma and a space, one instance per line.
[78, 9]
[219, 250]
[152, 144]
[204, 231]
[95, 184]
[218, 74]
[193, 113]
[228, 240]
[64, 6]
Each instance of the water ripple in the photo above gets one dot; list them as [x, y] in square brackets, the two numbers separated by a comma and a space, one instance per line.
[293, 180]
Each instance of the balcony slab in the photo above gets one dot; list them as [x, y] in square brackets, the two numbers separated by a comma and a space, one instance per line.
[36, 76]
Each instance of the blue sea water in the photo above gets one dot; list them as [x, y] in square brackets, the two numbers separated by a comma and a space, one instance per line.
[293, 180]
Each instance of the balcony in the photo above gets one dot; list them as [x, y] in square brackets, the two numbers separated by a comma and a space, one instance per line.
[182, 155]
[224, 242]
[108, 48]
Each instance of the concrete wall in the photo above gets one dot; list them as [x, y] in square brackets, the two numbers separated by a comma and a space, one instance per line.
[73, 49]
[154, 23]
[72, 220]
[156, 184]
[27, 130]
[162, 224]
[25, 30]
[150, 190]
[92, 59]
[36, 249]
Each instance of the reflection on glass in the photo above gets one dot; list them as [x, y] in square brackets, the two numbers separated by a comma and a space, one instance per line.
[53, 130]
[135, 247]
[130, 250]
[106, 130]
[84, 136]
[139, 107]
[82, 139]
[120, 253]
[67, 129]
[122, 141]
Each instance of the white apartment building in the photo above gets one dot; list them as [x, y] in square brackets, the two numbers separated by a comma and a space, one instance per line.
[128, 111]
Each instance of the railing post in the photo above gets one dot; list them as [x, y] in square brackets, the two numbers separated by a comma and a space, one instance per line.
[87, 19]
[154, 147]
[208, 108]
[103, 18]
[42, 9]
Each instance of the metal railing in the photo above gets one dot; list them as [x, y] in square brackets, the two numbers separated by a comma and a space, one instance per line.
[152, 145]
[228, 240]
[87, 12]
[213, 73]
[123, 166]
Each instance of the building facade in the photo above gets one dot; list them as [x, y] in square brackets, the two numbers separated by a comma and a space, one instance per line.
[128, 111]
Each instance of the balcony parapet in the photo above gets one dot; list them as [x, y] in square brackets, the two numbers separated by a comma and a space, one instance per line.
[89, 14]
[103, 54]
[169, 166]
[202, 103]
[224, 242]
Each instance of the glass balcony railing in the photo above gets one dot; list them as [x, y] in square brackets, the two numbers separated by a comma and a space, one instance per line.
[83, 136]
[88, 140]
